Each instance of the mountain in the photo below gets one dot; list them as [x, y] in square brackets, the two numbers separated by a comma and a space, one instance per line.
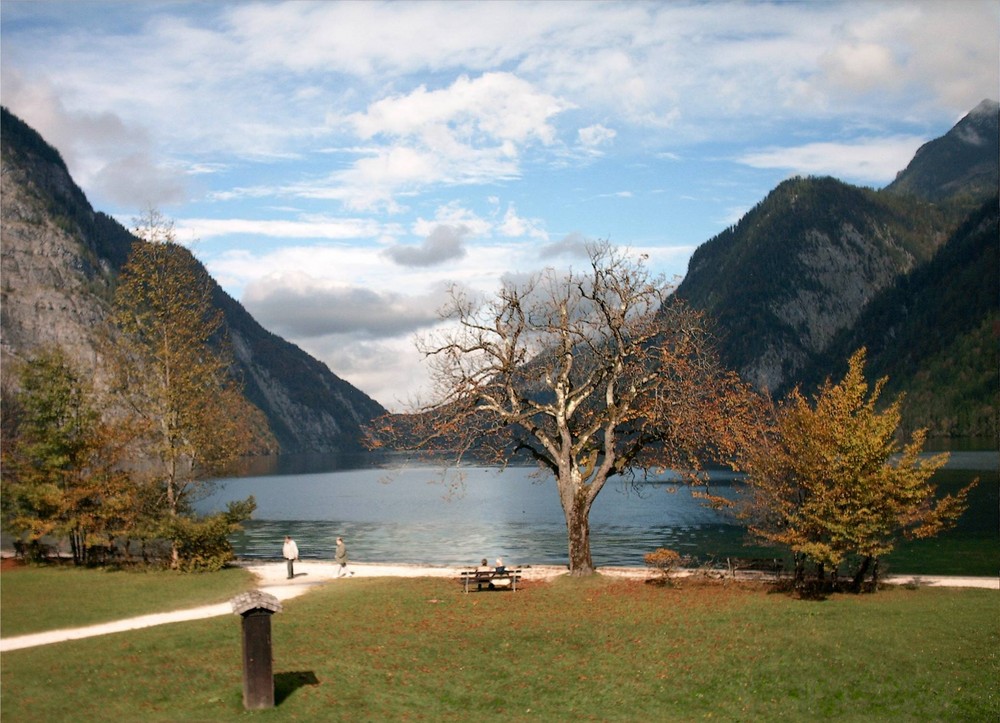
[960, 164]
[816, 269]
[59, 260]
[800, 267]
[933, 333]
[820, 266]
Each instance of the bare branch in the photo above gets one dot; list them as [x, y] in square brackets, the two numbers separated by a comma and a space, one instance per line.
[588, 374]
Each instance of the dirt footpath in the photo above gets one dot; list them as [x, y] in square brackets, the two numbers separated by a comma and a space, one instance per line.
[274, 580]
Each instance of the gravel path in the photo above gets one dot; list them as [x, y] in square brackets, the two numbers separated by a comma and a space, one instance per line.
[273, 580]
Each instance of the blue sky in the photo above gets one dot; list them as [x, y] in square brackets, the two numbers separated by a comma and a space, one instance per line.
[336, 165]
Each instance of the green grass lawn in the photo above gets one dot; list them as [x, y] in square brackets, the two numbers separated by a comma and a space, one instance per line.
[375, 649]
[37, 598]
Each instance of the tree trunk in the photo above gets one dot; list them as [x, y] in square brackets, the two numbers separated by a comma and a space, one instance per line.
[76, 547]
[859, 576]
[800, 569]
[172, 512]
[578, 532]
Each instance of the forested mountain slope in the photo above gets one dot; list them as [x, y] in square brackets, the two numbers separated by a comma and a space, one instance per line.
[804, 276]
[934, 333]
[800, 267]
[960, 165]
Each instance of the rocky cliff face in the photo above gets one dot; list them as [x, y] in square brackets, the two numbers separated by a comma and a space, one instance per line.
[54, 289]
[58, 263]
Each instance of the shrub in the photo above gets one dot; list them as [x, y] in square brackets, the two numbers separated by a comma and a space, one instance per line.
[203, 544]
[663, 561]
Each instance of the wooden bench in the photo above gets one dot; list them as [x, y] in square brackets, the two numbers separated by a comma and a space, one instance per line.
[756, 564]
[490, 579]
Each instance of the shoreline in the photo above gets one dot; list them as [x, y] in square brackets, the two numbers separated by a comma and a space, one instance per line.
[272, 578]
[272, 574]
[271, 571]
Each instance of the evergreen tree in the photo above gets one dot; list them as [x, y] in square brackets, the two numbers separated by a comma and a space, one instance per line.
[62, 475]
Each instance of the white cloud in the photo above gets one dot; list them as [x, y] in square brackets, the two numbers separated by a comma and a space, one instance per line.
[861, 66]
[452, 214]
[364, 266]
[190, 229]
[298, 305]
[928, 53]
[515, 226]
[595, 136]
[369, 39]
[388, 370]
[137, 180]
[114, 160]
[494, 107]
[471, 132]
[270, 81]
[573, 245]
[276, 70]
[337, 264]
[868, 160]
[445, 243]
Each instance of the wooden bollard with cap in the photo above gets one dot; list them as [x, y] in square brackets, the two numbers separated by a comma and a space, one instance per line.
[256, 608]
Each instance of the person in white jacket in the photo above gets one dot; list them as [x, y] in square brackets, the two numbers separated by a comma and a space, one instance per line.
[290, 551]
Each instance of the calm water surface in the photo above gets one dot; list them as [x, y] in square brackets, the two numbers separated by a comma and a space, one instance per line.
[423, 514]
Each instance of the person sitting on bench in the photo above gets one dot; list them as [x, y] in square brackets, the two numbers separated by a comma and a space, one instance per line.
[500, 576]
[483, 574]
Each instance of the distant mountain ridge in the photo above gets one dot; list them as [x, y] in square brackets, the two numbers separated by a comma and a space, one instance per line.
[960, 164]
[819, 266]
[59, 260]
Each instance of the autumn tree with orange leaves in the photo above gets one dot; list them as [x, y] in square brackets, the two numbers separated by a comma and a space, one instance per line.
[834, 486]
[61, 463]
[174, 372]
[593, 374]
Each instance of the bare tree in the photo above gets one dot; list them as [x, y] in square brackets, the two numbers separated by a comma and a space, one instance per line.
[592, 374]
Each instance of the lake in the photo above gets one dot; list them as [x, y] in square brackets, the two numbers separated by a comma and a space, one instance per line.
[412, 513]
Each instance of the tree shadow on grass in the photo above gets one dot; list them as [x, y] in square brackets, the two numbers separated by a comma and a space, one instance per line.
[287, 683]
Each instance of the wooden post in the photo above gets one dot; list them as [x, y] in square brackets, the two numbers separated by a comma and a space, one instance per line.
[256, 608]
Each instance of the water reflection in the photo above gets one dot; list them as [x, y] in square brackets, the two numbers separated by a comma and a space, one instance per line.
[421, 514]
[427, 515]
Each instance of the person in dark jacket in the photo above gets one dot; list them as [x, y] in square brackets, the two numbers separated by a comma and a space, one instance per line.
[340, 557]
